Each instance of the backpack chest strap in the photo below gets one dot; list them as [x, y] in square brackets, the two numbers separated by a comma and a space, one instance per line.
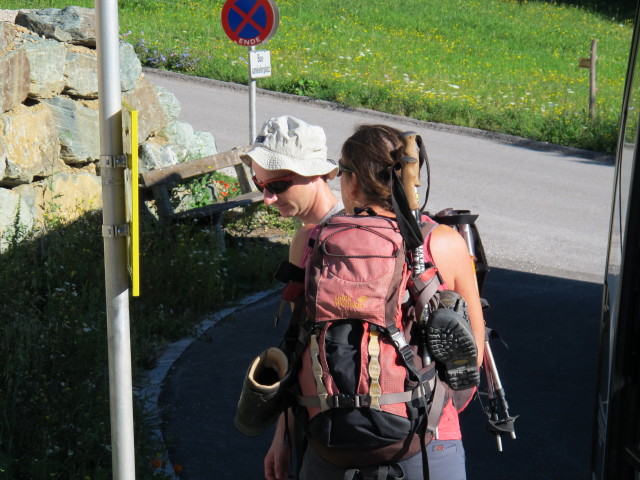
[343, 400]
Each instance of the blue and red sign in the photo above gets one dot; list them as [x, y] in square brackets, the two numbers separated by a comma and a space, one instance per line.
[250, 22]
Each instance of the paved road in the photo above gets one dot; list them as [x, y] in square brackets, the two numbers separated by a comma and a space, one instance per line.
[549, 324]
[543, 217]
[541, 209]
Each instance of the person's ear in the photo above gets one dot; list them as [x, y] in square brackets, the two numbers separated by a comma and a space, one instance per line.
[354, 185]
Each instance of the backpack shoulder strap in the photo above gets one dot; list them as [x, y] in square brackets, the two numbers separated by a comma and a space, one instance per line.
[314, 233]
[427, 227]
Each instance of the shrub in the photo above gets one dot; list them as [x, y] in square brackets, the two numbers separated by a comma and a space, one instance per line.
[54, 390]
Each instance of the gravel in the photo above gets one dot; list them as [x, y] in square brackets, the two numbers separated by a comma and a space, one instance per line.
[10, 15]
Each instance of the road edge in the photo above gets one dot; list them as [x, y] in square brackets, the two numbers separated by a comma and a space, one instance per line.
[598, 157]
[152, 380]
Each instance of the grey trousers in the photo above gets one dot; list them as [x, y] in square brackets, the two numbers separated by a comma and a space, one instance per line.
[446, 462]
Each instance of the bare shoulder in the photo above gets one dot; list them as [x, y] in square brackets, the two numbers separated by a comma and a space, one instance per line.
[445, 239]
[302, 234]
[447, 245]
[298, 242]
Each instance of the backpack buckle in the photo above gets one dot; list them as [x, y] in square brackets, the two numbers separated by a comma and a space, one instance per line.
[344, 400]
[402, 346]
[398, 340]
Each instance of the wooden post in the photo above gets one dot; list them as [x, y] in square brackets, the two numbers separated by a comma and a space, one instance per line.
[590, 63]
[592, 80]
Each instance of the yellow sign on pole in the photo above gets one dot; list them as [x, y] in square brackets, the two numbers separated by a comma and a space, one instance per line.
[130, 146]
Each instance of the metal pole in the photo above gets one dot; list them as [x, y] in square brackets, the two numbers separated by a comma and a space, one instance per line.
[252, 102]
[114, 230]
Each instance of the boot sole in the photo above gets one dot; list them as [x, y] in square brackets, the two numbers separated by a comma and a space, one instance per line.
[451, 343]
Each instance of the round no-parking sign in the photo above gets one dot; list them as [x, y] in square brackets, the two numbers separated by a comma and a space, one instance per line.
[250, 22]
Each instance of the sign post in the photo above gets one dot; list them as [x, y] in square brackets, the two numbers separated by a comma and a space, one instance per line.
[252, 101]
[250, 23]
[114, 232]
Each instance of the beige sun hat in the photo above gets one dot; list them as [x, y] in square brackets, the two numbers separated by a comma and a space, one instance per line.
[288, 143]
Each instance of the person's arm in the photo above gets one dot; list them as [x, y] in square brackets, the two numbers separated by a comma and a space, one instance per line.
[451, 256]
[278, 459]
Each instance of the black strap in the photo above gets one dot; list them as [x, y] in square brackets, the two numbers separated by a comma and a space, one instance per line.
[287, 271]
[425, 459]
[407, 223]
[288, 437]
[449, 216]
[300, 442]
[407, 355]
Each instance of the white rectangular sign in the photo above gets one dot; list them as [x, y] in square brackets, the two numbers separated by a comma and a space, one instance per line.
[260, 63]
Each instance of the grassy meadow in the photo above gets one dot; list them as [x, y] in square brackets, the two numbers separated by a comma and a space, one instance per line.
[501, 65]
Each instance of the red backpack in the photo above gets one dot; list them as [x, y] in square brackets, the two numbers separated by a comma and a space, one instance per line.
[364, 393]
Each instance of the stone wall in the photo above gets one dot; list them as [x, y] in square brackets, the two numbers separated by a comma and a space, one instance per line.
[49, 127]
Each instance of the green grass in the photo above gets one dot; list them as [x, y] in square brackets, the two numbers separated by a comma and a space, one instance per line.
[500, 65]
[54, 385]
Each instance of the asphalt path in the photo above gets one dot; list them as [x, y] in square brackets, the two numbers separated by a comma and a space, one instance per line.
[548, 372]
[544, 220]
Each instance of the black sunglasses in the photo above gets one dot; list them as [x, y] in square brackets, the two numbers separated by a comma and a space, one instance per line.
[343, 168]
[275, 185]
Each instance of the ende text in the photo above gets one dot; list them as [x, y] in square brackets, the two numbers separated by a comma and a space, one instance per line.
[249, 41]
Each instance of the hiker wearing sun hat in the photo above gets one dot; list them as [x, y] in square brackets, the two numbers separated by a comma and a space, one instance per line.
[291, 168]
[289, 160]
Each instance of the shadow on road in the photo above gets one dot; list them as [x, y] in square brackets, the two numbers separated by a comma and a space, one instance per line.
[550, 325]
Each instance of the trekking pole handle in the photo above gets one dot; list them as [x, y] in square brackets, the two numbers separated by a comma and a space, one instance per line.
[410, 169]
[410, 179]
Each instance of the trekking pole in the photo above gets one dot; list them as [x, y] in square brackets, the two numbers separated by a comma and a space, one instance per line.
[497, 398]
[410, 178]
[497, 401]
[492, 409]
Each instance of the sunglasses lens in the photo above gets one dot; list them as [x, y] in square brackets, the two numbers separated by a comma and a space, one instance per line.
[278, 186]
[275, 186]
